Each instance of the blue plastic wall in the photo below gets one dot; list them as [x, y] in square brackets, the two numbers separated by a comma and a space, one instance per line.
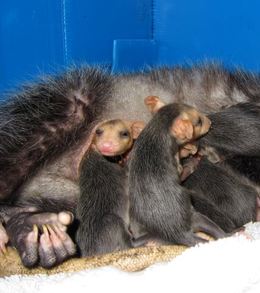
[45, 35]
[225, 30]
[38, 36]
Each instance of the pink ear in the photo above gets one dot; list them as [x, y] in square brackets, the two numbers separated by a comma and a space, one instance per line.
[182, 130]
[153, 103]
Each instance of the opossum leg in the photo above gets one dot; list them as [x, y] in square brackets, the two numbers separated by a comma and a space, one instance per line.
[45, 233]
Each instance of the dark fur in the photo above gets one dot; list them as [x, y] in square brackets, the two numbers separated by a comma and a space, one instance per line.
[249, 166]
[225, 189]
[102, 208]
[157, 200]
[47, 117]
[44, 121]
[235, 131]
[235, 138]
[235, 135]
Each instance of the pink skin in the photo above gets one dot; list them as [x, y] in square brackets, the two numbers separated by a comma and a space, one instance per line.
[43, 239]
[108, 148]
[3, 239]
[115, 137]
[55, 245]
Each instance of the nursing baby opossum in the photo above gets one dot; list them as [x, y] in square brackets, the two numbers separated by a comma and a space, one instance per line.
[235, 132]
[157, 200]
[103, 204]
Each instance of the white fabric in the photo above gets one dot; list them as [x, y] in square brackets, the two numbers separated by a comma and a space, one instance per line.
[230, 265]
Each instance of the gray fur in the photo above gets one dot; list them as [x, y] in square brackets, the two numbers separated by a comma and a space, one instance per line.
[44, 121]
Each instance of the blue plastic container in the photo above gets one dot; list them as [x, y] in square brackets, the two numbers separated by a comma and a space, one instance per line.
[43, 36]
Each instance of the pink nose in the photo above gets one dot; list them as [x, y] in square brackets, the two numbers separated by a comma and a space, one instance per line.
[107, 147]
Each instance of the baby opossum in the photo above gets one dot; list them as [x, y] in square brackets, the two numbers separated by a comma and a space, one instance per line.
[103, 205]
[158, 201]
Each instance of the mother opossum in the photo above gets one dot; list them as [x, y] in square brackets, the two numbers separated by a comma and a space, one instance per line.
[45, 129]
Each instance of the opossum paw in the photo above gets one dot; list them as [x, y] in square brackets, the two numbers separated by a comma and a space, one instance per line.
[41, 238]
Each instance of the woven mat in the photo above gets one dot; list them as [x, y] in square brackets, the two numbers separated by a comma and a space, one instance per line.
[130, 260]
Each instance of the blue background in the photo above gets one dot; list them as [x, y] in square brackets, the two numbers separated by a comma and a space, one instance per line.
[44, 36]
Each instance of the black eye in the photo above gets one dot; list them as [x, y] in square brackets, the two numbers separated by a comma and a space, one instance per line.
[99, 131]
[199, 122]
[124, 134]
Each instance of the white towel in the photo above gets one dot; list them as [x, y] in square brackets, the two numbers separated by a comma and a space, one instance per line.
[230, 265]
